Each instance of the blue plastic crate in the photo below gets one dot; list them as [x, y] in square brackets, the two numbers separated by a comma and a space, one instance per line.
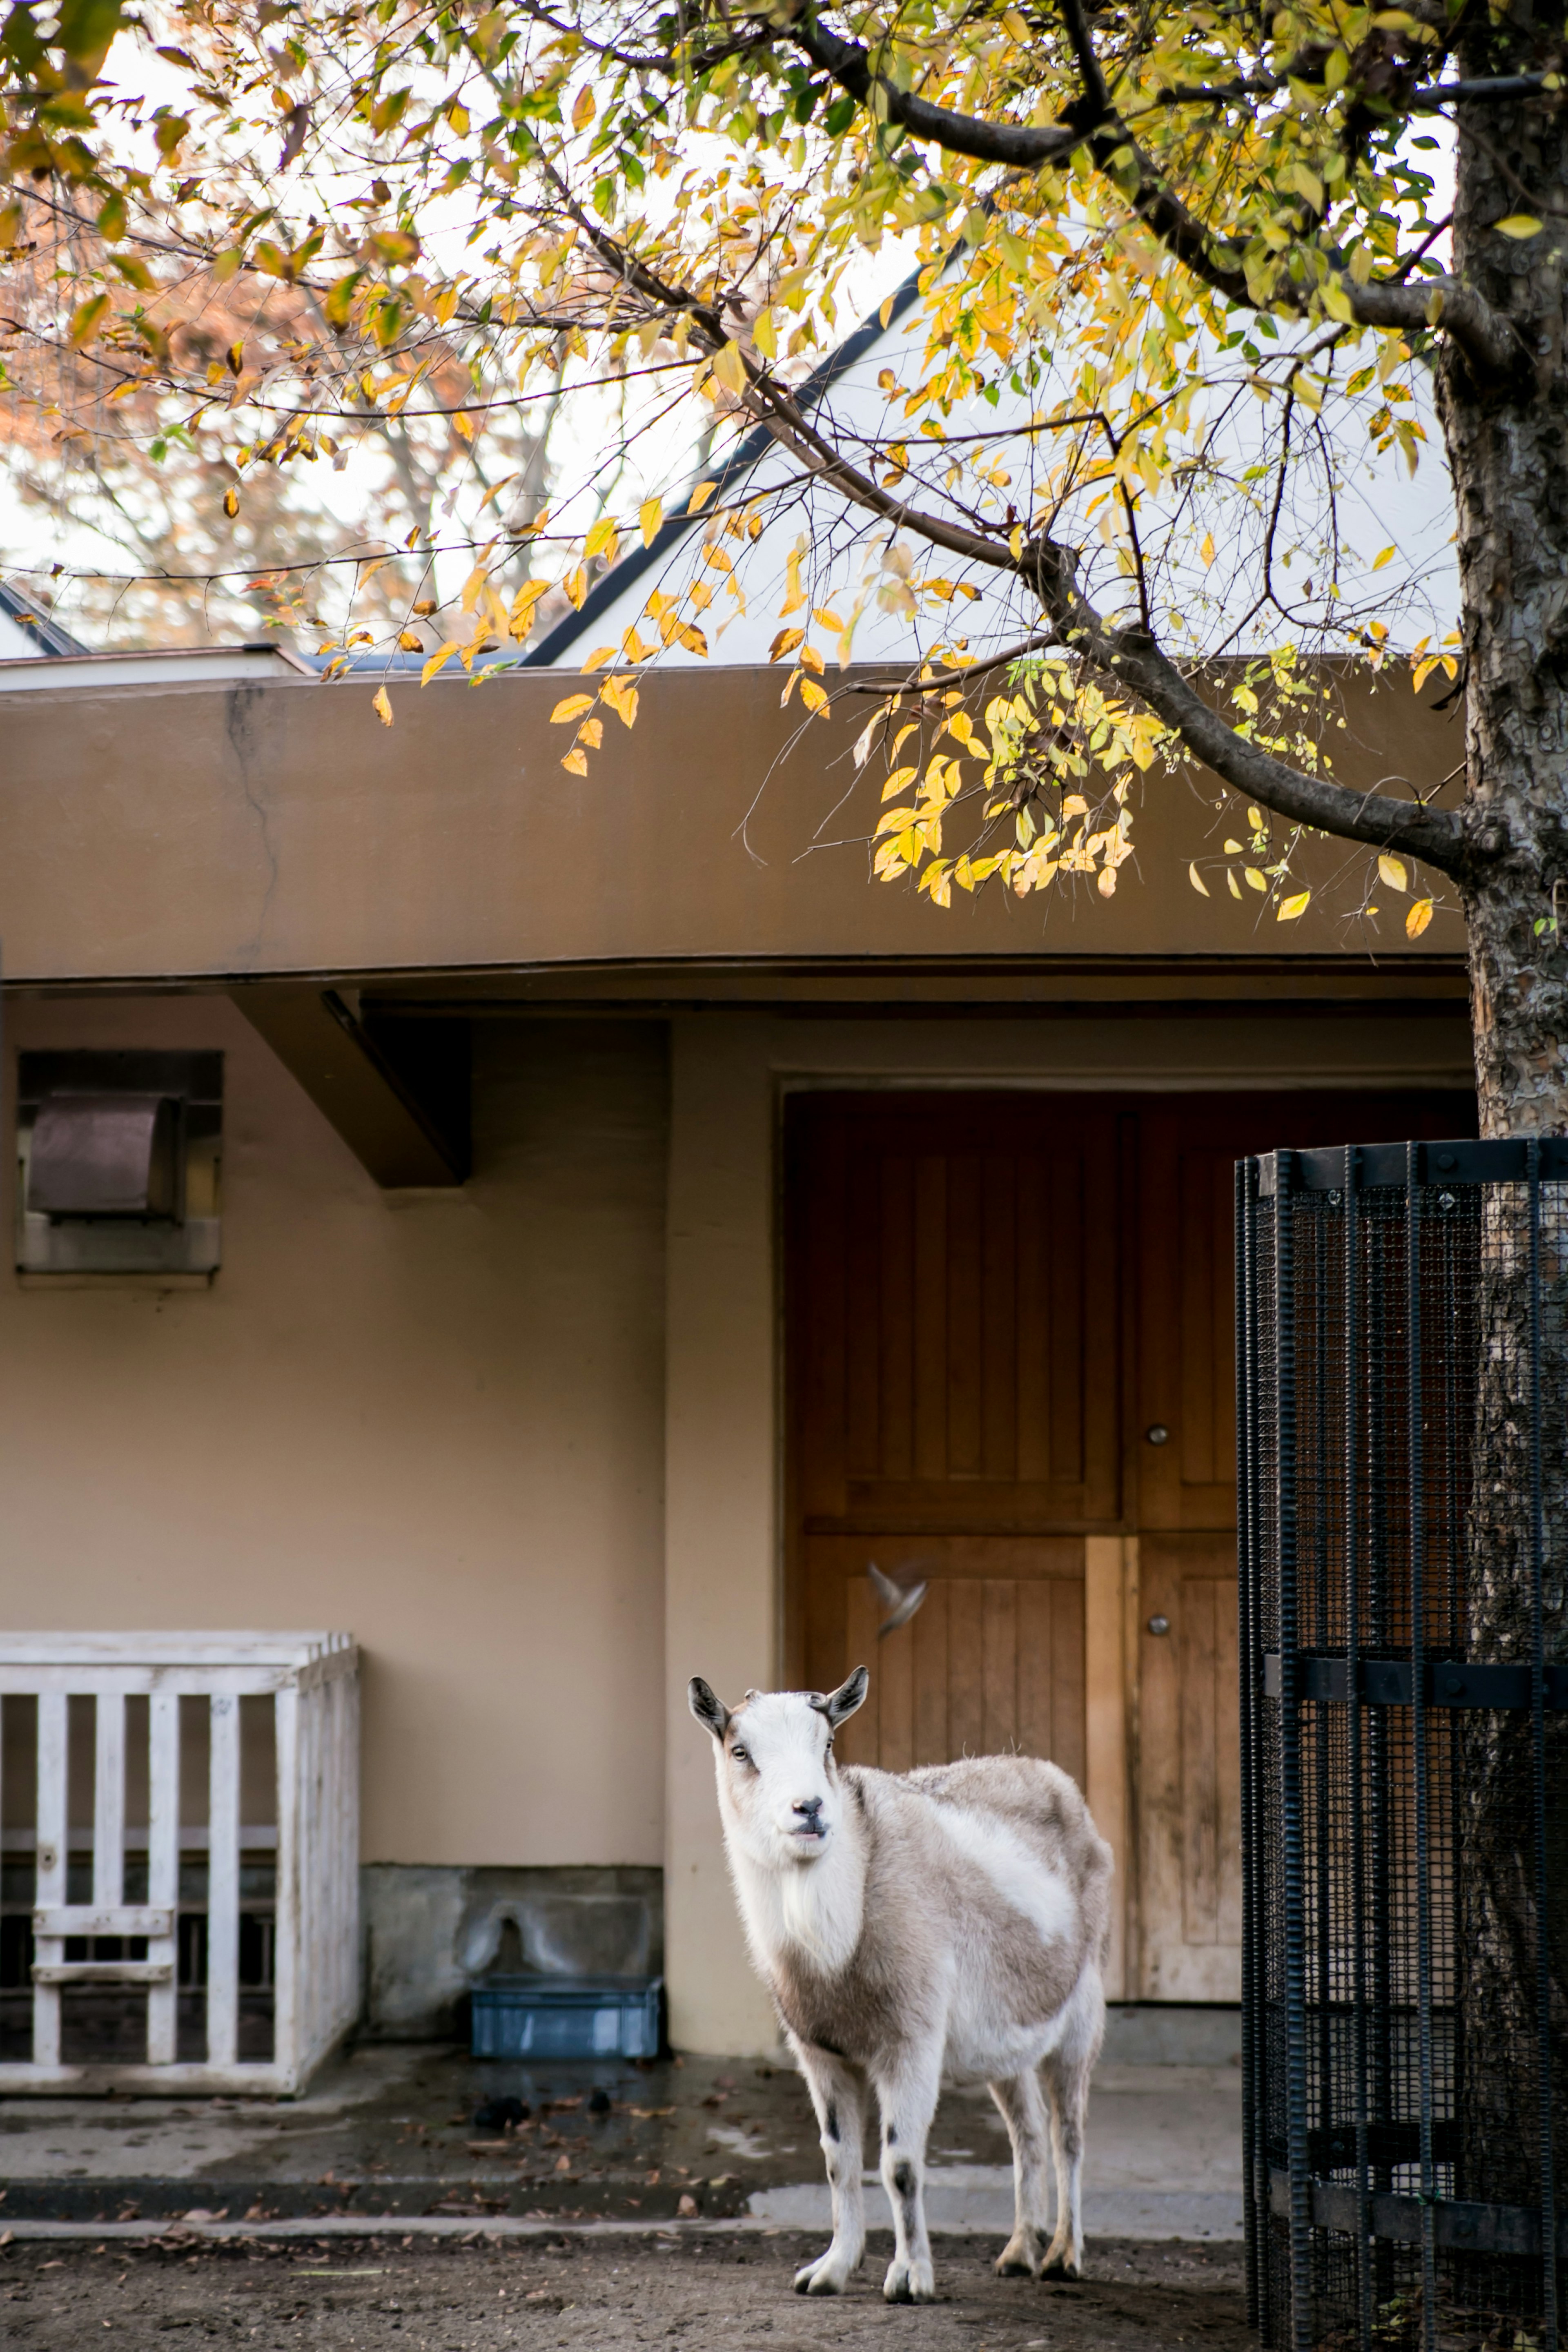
[566, 2017]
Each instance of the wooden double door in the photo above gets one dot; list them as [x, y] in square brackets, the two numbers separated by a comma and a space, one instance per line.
[1009, 1347]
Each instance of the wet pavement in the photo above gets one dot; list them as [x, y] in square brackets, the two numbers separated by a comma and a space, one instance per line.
[392, 2130]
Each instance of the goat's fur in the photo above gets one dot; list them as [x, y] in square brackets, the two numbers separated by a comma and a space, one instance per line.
[917, 1927]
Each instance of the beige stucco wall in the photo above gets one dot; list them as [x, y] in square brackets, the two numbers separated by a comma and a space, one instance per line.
[523, 1439]
[434, 1421]
[724, 1595]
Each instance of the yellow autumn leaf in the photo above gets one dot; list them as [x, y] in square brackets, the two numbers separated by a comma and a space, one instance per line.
[1196, 878]
[1235, 886]
[649, 515]
[1519, 225]
[1290, 909]
[1385, 556]
[1206, 549]
[602, 540]
[1392, 870]
[576, 586]
[1416, 920]
[1255, 878]
[410, 641]
[1234, 848]
[598, 657]
[591, 734]
[572, 706]
[576, 763]
[700, 497]
[622, 696]
[785, 643]
[84, 317]
[523, 604]
[583, 109]
[812, 695]
[382, 706]
[729, 368]
[433, 664]
[1256, 819]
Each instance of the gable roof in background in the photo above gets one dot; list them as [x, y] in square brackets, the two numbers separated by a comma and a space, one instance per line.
[27, 630]
[559, 642]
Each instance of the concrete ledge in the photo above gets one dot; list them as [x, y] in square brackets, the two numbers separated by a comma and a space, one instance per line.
[973, 2200]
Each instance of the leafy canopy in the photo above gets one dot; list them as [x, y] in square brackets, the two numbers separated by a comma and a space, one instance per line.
[1181, 264]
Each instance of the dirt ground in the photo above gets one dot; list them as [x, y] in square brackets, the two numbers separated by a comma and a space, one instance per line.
[598, 2295]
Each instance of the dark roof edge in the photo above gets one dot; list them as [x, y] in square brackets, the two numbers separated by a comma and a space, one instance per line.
[48, 634]
[611, 586]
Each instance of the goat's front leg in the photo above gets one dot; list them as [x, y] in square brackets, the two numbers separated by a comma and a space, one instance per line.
[838, 2093]
[908, 2101]
[1022, 2106]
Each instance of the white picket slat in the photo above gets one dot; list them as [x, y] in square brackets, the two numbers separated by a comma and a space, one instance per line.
[286, 1973]
[163, 1865]
[223, 1884]
[109, 1799]
[49, 1883]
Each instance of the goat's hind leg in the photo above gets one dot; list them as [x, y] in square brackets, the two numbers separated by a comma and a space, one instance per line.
[1067, 2071]
[1022, 2106]
[838, 2093]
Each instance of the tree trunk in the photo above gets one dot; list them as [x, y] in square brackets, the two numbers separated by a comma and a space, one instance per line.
[1508, 452]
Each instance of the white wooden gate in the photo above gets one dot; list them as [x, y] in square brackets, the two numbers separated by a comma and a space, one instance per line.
[312, 1683]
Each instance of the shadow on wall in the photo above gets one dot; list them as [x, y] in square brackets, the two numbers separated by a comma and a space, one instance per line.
[431, 1934]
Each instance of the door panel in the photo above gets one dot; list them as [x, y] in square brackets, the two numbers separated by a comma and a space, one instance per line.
[954, 1324]
[1186, 1758]
[1189, 1809]
[955, 1352]
[992, 1660]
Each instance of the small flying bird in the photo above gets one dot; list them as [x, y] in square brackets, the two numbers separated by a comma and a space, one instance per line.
[899, 1600]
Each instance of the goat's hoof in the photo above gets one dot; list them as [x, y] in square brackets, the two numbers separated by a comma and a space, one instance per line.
[909, 2282]
[822, 2277]
[1062, 2263]
[1019, 2258]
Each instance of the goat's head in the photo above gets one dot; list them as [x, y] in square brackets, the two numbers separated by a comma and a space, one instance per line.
[778, 1788]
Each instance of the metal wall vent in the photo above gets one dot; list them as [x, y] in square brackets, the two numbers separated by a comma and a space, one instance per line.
[117, 1162]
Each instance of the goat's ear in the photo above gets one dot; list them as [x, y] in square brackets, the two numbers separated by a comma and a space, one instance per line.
[707, 1706]
[839, 1705]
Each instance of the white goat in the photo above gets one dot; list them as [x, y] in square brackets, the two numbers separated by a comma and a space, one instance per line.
[912, 1927]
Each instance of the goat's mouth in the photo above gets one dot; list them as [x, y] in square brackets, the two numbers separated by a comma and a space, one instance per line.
[810, 1833]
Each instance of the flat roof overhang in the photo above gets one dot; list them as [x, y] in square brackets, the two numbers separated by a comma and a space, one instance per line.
[264, 835]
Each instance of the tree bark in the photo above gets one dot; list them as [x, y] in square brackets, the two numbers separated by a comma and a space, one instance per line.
[1507, 436]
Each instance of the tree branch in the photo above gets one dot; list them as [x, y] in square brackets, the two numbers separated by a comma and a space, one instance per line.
[1129, 658]
[1488, 339]
[1132, 660]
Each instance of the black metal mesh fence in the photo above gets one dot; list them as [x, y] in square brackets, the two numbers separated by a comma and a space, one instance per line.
[1403, 1370]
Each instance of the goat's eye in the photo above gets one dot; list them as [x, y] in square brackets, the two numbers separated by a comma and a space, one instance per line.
[740, 1756]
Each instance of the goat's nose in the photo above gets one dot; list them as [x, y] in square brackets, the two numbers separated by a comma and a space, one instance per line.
[811, 1807]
